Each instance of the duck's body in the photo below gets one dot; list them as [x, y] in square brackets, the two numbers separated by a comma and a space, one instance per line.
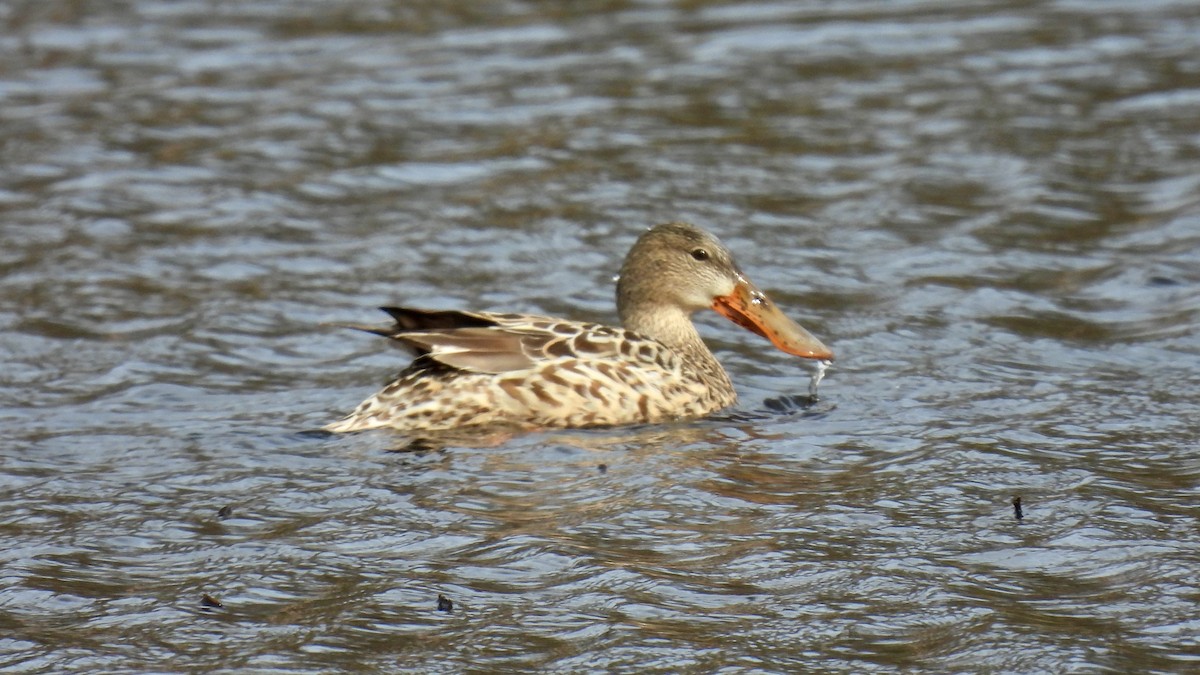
[477, 368]
[534, 371]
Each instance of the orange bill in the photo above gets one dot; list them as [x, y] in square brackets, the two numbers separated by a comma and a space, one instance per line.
[750, 308]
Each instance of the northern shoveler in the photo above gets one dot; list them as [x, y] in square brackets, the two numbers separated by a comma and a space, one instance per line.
[528, 371]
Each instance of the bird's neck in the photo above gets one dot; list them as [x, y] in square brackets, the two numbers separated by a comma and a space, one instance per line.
[673, 327]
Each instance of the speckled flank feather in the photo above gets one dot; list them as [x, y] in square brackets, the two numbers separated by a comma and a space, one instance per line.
[527, 371]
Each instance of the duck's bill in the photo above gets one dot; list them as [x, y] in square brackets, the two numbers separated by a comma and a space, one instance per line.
[750, 308]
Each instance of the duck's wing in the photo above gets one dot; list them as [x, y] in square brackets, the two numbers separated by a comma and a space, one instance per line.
[483, 342]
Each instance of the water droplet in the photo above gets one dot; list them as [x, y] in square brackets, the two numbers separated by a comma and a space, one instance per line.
[817, 376]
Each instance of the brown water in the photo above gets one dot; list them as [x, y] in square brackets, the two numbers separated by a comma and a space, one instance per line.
[990, 211]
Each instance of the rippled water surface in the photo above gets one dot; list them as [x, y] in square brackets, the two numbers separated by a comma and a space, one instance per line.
[990, 211]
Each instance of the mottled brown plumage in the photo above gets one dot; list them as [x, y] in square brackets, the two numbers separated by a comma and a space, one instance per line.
[529, 371]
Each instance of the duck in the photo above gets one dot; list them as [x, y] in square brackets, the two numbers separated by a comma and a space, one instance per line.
[526, 371]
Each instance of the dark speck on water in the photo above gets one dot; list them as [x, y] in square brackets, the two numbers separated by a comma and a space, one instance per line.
[1016, 504]
[990, 211]
[207, 600]
[444, 604]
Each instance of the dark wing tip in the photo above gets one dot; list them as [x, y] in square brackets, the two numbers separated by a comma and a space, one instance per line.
[409, 319]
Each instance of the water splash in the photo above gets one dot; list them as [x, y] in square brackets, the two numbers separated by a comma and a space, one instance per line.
[817, 376]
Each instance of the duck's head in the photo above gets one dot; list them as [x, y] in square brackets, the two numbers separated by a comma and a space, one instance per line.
[680, 266]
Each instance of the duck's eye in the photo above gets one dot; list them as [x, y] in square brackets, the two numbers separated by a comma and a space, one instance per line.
[700, 254]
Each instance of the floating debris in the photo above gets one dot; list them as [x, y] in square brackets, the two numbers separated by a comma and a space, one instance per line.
[445, 604]
[1017, 513]
[207, 600]
[602, 468]
[225, 512]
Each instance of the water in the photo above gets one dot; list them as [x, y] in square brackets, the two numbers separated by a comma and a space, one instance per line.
[817, 376]
[990, 212]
